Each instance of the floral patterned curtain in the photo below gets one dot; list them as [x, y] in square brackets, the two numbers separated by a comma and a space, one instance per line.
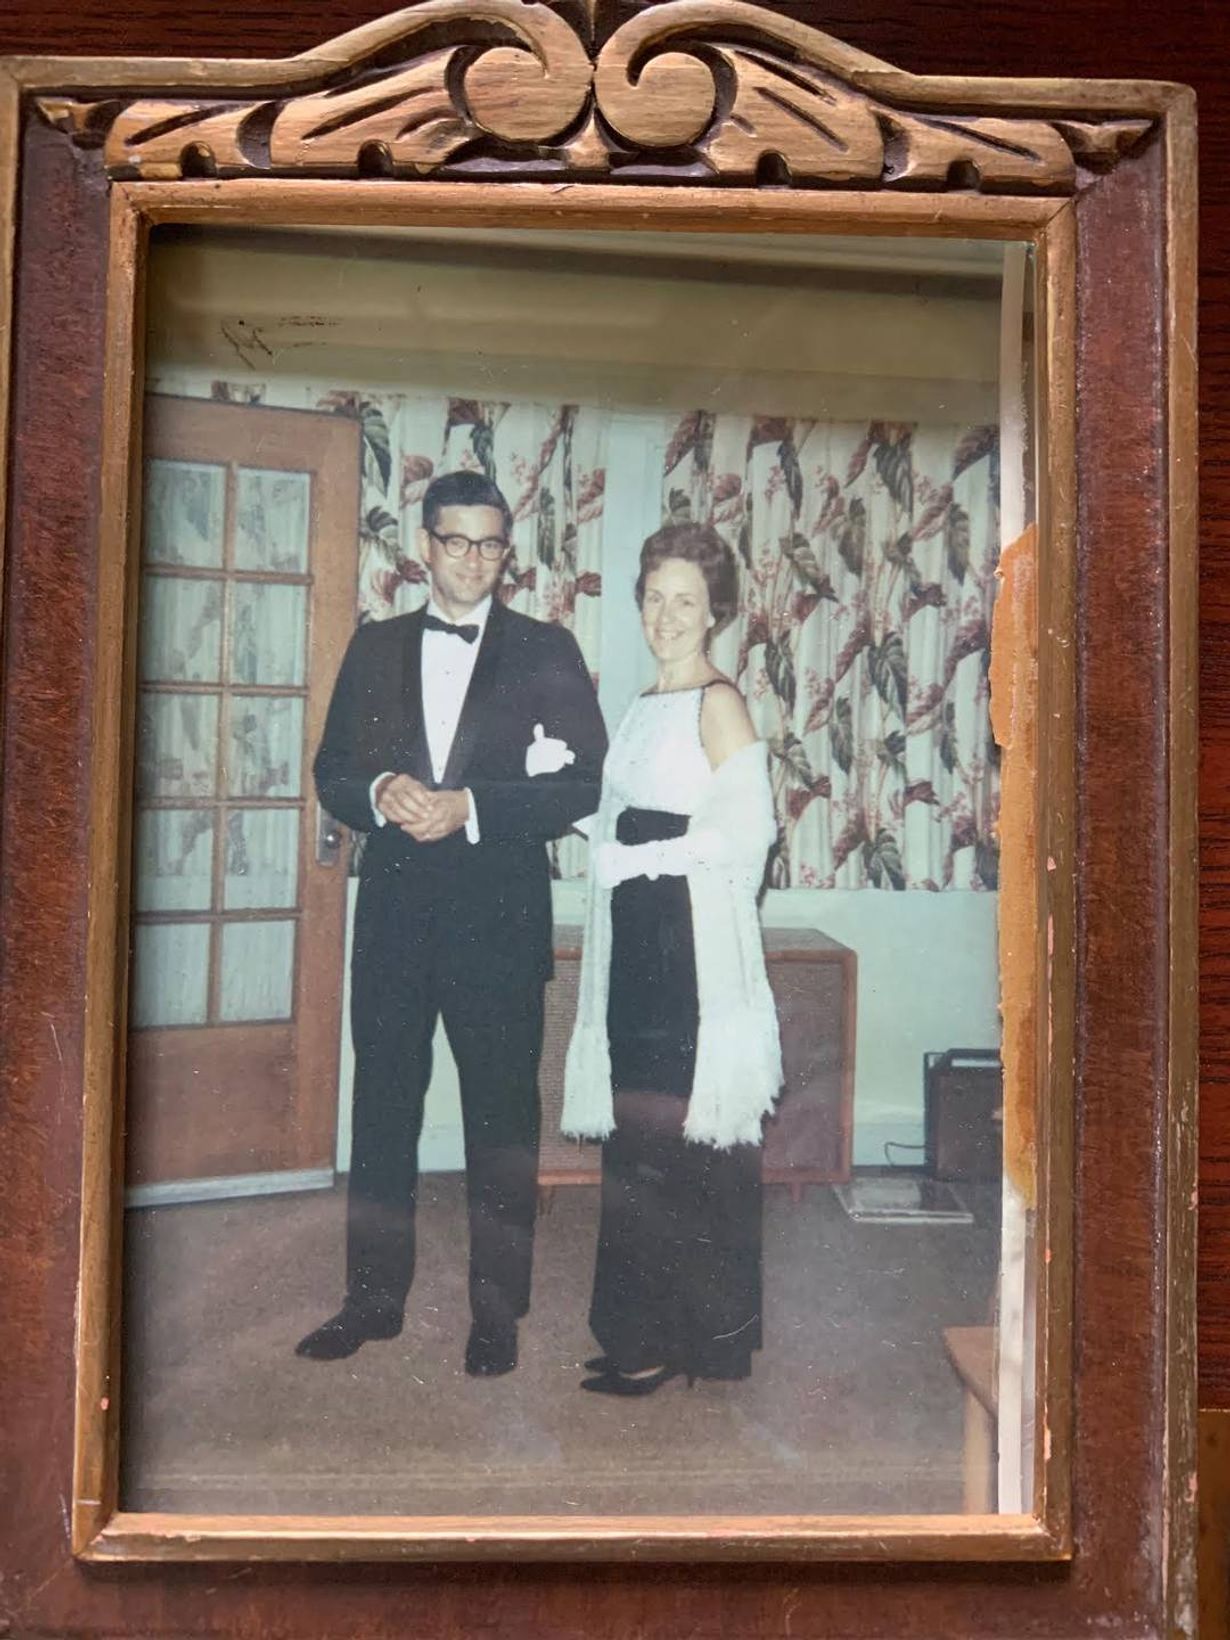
[867, 556]
[549, 460]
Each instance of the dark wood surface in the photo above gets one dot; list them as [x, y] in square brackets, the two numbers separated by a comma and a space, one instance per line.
[1118, 1410]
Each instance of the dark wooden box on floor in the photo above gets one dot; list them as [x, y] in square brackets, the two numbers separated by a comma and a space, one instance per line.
[1131, 1367]
[963, 1097]
[807, 1140]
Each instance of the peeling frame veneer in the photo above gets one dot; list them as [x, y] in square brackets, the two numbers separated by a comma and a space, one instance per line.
[691, 117]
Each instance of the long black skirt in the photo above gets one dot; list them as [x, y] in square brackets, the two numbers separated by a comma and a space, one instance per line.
[677, 1278]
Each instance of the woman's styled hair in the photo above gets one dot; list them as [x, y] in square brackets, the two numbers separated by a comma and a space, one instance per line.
[698, 544]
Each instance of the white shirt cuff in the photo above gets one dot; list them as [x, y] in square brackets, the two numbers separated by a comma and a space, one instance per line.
[371, 797]
[472, 835]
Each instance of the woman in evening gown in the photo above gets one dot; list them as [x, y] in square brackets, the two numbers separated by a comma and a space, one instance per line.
[674, 1060]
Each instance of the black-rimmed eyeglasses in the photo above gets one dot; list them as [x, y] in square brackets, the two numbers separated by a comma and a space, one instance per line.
[490, 547]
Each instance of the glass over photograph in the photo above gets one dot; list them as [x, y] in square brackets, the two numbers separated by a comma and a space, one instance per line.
[565, 1061]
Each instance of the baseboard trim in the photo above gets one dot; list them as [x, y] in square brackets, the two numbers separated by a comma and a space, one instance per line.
[179, 1191]
[898, 1126]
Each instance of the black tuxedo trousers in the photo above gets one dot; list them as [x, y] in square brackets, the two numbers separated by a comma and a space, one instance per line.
[409, 971]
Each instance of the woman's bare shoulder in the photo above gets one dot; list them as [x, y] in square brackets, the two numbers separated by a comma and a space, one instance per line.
[725, 723]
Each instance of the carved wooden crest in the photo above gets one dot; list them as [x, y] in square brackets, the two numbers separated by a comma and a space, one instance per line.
[691, 90]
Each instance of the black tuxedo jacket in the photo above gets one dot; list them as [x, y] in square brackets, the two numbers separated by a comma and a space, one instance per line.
[489, 901]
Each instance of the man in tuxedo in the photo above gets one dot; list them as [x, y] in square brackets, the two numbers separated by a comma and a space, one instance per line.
[461, 738]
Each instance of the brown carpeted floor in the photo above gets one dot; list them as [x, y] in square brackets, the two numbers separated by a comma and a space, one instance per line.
[852, 1407]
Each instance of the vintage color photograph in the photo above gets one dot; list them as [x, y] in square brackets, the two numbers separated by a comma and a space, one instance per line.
[564, 1066]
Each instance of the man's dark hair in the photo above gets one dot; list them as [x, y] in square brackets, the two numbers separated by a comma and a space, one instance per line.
[698, 544]
[464, 489]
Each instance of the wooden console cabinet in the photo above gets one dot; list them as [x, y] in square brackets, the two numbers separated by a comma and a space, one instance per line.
[808, 1138]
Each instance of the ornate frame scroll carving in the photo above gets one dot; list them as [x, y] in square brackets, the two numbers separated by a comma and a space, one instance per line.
[690, 90]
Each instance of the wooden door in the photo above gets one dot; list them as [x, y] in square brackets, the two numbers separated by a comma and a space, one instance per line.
[248, 574]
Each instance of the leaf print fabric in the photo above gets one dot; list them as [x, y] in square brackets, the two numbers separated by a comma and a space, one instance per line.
[549, 460]
[867, 557]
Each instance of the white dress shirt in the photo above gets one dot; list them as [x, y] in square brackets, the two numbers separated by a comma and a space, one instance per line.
[447, 667]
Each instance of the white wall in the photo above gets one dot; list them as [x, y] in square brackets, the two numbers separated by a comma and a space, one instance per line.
[927, 980]
[585, 328]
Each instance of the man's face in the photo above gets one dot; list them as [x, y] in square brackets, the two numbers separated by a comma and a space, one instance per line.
[459, 583]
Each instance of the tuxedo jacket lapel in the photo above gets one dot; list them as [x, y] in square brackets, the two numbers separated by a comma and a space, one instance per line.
[478, 697]
[418, 753]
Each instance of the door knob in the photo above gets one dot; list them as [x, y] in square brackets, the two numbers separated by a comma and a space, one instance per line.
[329, 838]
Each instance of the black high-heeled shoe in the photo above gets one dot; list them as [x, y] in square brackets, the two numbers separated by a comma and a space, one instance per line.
[599, 1363]
[610, 1381]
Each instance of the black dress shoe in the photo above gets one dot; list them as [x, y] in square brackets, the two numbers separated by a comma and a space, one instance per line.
[348, 1331]
[491, 1351]
[612, 1382]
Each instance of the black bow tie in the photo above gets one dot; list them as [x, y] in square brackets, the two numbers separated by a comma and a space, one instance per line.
[466, 633]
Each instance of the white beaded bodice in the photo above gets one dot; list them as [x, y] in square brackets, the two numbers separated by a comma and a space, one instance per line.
[656, 760]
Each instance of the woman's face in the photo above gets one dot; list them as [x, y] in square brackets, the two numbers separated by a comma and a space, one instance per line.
[675, 611]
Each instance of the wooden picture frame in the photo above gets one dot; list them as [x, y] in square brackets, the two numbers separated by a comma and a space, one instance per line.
[692, 116]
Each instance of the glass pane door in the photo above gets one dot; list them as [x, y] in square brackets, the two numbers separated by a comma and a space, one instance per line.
[220, 743]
